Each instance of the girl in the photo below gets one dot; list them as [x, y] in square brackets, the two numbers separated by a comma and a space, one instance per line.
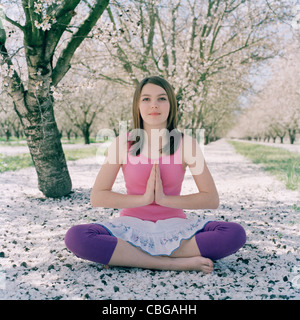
[152, 230]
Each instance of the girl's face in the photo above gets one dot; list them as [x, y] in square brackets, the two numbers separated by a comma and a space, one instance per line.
[154, 106]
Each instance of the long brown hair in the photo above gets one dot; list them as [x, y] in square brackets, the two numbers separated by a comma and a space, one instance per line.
[171, 147]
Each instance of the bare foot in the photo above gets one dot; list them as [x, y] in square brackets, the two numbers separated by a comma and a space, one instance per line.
[206, 265]
[199, 263]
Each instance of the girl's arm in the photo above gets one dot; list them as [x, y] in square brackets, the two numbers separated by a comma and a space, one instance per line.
[207, 196]
[102, 194]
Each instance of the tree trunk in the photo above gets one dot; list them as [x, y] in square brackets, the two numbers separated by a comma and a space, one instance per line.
[46, 151]
[7, 134]
[207, 136]
[86, 135]
[281, 139]
[85, 129]
[292, 135]
[68, 132]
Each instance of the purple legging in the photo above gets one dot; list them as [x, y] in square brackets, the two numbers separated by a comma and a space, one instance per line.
[93, 242]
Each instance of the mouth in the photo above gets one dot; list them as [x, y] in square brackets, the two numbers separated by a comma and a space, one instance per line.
[154, 114]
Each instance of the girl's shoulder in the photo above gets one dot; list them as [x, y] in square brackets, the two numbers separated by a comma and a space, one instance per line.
[192, 154]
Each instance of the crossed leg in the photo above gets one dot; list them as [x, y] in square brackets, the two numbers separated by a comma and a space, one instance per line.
[215, 241]
[186, 257]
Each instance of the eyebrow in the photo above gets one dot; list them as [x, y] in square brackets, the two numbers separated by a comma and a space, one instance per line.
[161, 94]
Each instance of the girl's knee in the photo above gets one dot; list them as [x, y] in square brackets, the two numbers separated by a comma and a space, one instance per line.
[238, 235]
[72, 237]
[77, 237]
[91, 242]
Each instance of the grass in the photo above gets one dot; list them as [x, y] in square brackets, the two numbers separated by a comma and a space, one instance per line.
[12, 142]
[75, 154]
[283, 164]
[20, 161]
[12, 163]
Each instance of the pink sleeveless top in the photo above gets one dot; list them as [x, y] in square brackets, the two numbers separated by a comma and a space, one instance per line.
[136, 174]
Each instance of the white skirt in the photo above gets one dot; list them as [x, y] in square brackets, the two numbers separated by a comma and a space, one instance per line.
[156, 238]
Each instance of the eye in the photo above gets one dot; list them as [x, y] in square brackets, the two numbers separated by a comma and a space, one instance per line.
[145, 99]
[163, 99]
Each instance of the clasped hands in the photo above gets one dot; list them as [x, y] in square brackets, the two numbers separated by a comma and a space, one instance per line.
[154, 188]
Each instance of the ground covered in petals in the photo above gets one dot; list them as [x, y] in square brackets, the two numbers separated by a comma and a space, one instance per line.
[34, 263]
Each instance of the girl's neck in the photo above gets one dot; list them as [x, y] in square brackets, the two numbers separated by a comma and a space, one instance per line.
[148, 129]
[154, 141]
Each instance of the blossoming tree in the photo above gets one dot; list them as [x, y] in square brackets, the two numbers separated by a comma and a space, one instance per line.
[204, 48]
[275, 111]
[51, 31]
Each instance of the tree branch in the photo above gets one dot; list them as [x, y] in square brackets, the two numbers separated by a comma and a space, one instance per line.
[149, 44]
[67, 6]
[235, 50]
[116, 80]
[32, 34]
[105, 77]
[13, 22]
[173, 36]
[122, 56]
[63, 18]
[165, 50]
[15, 87]
[63, 63]
[25, 6]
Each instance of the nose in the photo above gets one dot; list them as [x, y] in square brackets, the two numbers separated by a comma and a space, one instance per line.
[154, 105]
